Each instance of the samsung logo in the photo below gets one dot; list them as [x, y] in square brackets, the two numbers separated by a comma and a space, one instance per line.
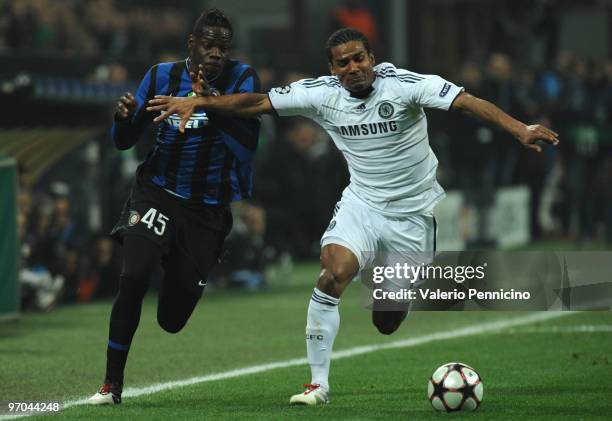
[366, 129]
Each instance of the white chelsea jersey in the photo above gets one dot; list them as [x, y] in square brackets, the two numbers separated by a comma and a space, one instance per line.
[383, 137]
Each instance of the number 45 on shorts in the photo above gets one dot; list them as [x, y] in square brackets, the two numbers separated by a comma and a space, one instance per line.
[157, 224]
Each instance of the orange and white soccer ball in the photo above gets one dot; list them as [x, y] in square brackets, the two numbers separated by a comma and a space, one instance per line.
[455, 387]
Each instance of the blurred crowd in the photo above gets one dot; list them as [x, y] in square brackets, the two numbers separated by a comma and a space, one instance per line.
[86, 28]
[299, 174]
[61, 261]
[570, 194]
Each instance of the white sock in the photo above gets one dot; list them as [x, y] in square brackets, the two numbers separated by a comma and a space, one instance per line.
[322, 326]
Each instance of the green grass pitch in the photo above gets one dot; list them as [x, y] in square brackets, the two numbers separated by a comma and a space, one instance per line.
[558, 369]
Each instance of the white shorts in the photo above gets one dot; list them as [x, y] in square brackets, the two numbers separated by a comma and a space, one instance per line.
[376, 239]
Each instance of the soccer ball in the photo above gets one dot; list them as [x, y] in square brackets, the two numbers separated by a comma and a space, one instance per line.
[455, 387]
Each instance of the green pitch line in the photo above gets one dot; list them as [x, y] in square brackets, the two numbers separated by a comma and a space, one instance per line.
[554, 376]
[60, 355]
[228, 330]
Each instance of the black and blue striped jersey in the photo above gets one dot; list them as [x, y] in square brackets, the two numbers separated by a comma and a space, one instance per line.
[211, 162]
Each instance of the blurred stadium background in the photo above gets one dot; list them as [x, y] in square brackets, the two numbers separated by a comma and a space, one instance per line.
[65, 63]
[62, 183]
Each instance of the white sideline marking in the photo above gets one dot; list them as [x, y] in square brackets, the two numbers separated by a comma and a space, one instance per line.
[563, 329]
[347, 353]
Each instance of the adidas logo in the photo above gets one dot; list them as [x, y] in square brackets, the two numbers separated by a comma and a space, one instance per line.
[361, 108]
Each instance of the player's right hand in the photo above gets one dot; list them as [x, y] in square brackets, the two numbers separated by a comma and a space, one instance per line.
[125, 106]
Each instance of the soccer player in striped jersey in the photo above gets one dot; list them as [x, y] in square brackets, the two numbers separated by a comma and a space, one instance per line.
[374, 114]
[178, 211]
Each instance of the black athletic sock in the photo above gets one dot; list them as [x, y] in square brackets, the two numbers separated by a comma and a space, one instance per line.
[115, 365]
[120, 338]
[123, 324]
[140, 257]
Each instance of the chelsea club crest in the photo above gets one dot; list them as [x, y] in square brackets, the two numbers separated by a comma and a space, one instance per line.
[386, 110]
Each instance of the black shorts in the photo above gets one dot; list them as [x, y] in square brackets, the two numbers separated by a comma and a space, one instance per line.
[173, 223]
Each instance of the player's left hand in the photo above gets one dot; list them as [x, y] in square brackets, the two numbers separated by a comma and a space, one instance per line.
[529, 135]
[199, 84]
[168, 105]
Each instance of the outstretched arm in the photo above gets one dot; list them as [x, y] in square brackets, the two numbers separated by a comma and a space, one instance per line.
[490, 113]
[238, 105]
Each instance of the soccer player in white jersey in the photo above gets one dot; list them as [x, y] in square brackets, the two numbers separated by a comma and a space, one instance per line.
[374, 114]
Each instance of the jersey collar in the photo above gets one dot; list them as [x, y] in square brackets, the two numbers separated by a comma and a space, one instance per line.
[365, 93]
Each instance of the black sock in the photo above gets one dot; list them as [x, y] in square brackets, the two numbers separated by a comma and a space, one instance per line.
[123, 324]
[120, 338]
[140, 258]
[115, 365]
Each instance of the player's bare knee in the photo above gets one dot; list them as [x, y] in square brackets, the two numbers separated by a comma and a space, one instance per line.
[333, 280]
[327, 282]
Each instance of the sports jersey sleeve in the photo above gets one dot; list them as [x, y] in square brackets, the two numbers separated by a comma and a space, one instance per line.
[125, 132]
[299, 98]
[241, 135]
[432, 91]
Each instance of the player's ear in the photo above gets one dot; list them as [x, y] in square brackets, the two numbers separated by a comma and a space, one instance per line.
[372, 59]
[190, 41]
[331, 68]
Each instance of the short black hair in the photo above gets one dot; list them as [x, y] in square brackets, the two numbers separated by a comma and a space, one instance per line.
[342, 36]
[212, 17]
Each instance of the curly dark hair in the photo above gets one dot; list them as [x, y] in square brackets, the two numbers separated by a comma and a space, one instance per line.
[342, 36]
[212, 17]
